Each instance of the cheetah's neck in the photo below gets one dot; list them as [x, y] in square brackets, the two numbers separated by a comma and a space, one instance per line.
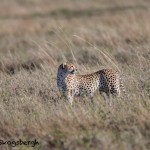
[61, 80]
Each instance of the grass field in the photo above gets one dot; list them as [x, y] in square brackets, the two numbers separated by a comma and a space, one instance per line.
[36, 36]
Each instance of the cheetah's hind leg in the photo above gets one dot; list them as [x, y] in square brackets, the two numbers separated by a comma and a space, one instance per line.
[106, 96]
[92, 100]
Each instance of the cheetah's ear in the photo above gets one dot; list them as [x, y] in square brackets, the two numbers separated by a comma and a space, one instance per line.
[63, 65]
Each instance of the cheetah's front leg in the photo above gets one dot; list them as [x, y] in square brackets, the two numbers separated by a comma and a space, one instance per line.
[70, 96]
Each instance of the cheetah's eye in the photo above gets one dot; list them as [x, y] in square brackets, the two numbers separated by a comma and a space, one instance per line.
[73, 71]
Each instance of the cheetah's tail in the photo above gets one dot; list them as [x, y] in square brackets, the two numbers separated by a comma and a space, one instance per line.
[123, 90]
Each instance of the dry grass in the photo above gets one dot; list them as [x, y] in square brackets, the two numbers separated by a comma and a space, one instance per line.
[36, 36]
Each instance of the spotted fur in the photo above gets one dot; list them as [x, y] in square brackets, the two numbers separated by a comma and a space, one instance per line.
[106, 81]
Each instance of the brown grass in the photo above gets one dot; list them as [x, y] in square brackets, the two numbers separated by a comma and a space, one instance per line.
[36, 36]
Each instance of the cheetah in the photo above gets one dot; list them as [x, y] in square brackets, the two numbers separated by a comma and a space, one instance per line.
[70, 84]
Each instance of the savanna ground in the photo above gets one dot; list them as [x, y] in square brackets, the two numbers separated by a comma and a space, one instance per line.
[37, 35]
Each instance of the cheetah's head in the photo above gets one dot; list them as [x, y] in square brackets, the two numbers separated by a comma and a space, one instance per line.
[68, 68]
